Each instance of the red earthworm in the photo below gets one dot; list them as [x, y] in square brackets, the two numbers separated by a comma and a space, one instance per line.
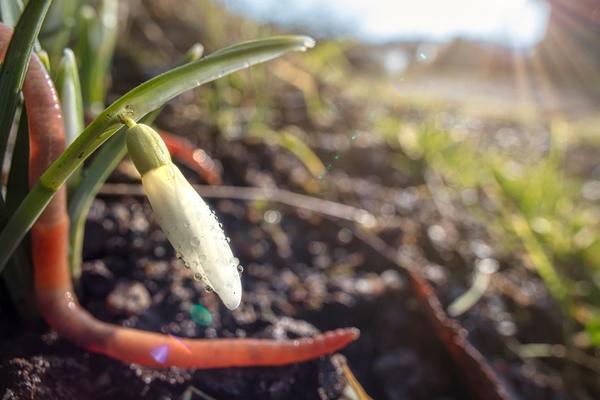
[192, 157]
[54, 291]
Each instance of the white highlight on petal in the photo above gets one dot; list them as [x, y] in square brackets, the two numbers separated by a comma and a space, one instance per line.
[194, 231]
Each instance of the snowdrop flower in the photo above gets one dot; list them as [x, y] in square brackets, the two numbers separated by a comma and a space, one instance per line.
[188, 222]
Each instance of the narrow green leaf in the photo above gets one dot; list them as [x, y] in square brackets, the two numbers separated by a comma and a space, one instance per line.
[69, 91]
[18, 275]
[290, 142]
[194, 53]
[136, 103]
[57, 27]
[152, 94]
[96, 174]
[12, 73]
[16, 187]
[44, 58]
[84, 51]
[98, 38]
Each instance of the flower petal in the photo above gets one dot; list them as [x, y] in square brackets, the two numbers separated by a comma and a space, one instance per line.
[194, 231]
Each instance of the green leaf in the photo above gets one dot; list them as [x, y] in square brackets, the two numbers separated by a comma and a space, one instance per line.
[101, 167]
[152, 94]
[290, 142]
[18, 275]
[57, 27]
[98, 38]
[69, 91]
[16, 189]
[135, 104]
[14, 68]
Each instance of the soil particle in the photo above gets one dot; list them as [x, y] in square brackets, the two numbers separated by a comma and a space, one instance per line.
[128, 299]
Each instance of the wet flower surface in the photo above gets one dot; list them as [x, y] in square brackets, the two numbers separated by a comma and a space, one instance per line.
[194, 231]
[190, 225]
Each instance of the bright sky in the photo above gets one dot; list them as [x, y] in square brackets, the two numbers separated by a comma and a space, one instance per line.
[511, 22]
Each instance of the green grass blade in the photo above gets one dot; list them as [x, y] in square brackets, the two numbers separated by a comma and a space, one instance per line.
[290, 142]
[96, 174]
[18, 275]
[12, 73]
[83, 50]
[57, 27]
[97, 44]
[135, 104]
[16, 187]
[69, 91]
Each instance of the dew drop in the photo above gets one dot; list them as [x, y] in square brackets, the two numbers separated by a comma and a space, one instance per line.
[240, 269]
[198, 276]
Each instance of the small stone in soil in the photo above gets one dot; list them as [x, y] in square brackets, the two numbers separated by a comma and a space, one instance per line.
[128, 298]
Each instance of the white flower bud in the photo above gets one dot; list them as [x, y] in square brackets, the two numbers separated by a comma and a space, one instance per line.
[190, 225]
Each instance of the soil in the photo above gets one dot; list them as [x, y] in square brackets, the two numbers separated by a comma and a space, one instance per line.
[303, 273]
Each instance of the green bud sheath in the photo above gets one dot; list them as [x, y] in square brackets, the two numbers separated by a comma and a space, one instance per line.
[146, 148]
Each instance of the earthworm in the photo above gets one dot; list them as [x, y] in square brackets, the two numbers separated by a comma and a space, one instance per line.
[192, 157]
[54, 291]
